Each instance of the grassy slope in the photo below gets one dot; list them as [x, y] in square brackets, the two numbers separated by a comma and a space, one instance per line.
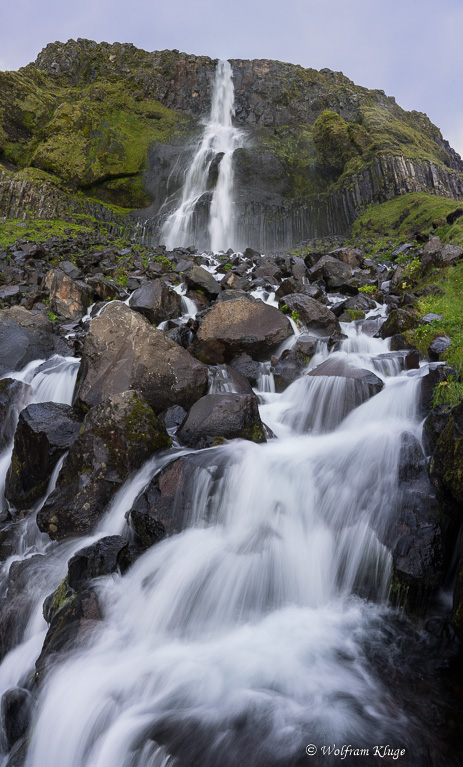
[381, 228]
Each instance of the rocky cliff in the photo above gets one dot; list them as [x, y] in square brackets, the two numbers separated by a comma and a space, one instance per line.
[119, 125]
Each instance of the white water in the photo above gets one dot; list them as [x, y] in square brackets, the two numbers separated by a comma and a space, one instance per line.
[241, 639]
[220, 136]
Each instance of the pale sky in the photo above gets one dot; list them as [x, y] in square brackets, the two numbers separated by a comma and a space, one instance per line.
[411, 49]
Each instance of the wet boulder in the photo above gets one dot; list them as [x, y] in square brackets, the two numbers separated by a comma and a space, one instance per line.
[437, 375]
[446, 467]
[16, 705]
[289, 367]
[398, 321]
[167, 505]
[198, 278]
[216, 417]
[24, 337]
[247, 367]
[123, 351]
[71, 616]
[101, 558]
[239, 326]
[44, 432]
[156, 301]
[68, 297]
[312, 314]
[335, 273]
[434, 425]
[117, 436]
[367, 381]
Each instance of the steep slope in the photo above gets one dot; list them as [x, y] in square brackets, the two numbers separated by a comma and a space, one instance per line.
[120, 124]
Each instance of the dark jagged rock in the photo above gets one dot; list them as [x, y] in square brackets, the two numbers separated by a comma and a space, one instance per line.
[247, 367]
[156, 301]
[101, 558]
[434, 425]
[117, 437]
[166, 506]
[313, 315]
[44, 433]
[122, 351]
[240, 326]
[437, 375]
[447, 460]
[438, 347]
[335, 273]
[25, 337]
[15, 713]
[198, 278]
[216, 417]
[398, 322]
[289, 367]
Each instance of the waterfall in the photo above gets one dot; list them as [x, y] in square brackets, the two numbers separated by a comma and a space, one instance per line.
[211, 169]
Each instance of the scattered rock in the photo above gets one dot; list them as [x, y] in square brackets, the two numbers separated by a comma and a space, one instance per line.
[313, 315]
[216, 417]
[25, 337]
[44, 433]
[240, 326]
[123, 351]
[156, 301]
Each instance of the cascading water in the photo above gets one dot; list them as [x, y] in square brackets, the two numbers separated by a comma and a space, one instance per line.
[219, 141]
[250, 634]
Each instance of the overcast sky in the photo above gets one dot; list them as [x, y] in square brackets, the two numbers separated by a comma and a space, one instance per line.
[412, 49]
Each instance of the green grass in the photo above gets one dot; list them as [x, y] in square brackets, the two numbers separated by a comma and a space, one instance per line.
[450, 306]
[404, 216]
[38, 230]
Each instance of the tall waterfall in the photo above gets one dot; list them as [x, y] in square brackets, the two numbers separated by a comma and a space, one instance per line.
[213, 155]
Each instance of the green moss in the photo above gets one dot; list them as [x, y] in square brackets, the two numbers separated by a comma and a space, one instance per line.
[356, 314]
[61, 597]
[337, 142]
[406, 215]
[254, 433]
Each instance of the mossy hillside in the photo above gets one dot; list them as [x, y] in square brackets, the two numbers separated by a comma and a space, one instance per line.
[406, 215]
[87, 137]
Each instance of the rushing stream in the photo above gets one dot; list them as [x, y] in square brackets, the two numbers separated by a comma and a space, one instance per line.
[250, 634]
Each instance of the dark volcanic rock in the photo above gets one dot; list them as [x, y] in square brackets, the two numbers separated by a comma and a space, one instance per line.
[240, 326]
[222, 416]
[289, 367]
[122, 351]
[438, 347]
[313, 315]
[25, 337]
[398, 321]
[335, 273]
[447, 460]
[167, 505]
[156, 301]
[437, 374]
[44, 433]
[101, 558]
[336, 367]
[199, 278]
[247, 367]
[117, 437]
[15, 713]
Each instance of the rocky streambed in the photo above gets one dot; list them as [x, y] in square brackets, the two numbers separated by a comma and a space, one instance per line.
[225, 489]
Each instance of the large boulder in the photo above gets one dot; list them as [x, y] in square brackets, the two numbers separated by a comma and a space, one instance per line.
[313, 315]
[339, 368]
[156, 301]
[242, 325]
[117, 436]
[222, 416]
[167, 504]
[44, 433]
[335, 273]
[198, 278]
[447, 460]
[68, 297]
[24, 337]
[123, 351]
[398, 321]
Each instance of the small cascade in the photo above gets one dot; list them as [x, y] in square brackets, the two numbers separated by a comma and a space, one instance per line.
[210, 172]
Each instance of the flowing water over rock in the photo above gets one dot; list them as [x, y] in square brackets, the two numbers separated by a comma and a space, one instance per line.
[209, 179]
[263, 627]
